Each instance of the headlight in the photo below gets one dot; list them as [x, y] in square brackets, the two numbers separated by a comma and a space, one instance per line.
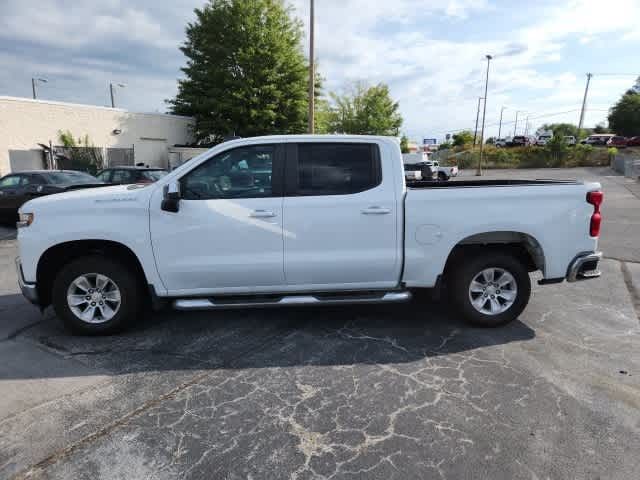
[24, 220]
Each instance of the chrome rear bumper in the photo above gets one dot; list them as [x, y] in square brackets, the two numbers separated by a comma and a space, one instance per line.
[29, 290]
[584, 267]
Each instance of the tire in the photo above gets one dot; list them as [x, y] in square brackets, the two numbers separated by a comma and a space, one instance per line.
[470, 268]
[122, 283]
[442, 177]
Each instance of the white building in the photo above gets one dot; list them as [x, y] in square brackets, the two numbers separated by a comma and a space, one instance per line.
[26, 123]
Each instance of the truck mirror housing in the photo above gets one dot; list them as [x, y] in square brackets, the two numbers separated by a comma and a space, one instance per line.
[171, 200]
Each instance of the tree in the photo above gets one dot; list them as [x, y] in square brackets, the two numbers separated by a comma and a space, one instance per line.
[624, 116]
[463, 138]
[404, 144]
[80, 154]
[600, 128]
[490, 141]
[245, 71]
[365, 111]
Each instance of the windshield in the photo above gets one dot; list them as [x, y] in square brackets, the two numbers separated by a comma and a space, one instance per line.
[70, 178]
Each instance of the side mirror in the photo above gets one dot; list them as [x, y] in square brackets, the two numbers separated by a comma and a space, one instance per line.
[171, 200]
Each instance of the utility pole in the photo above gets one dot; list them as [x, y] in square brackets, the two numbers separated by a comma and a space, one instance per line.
[484, 114]
[526, 126]
[312, 72]
[500, 127]
[111, 85]
[475, 132]
[515, 127]
[33, 85]
[584, 101]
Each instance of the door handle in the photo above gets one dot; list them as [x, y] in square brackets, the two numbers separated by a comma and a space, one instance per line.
[376, 211]
[262, 214]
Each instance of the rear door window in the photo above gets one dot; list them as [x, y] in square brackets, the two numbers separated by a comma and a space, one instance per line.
[336, 168]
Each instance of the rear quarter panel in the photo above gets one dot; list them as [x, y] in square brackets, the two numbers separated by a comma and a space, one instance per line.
[437, 219]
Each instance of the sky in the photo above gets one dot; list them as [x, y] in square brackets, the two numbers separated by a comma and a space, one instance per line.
[430, 53]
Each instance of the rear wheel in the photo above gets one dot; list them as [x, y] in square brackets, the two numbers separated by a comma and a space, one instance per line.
[96, 296]
[442, 177]
[490, 289]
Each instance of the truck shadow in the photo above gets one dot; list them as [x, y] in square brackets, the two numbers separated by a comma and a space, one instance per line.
[270, 338]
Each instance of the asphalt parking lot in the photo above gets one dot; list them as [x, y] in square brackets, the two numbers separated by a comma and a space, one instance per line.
[388, 393]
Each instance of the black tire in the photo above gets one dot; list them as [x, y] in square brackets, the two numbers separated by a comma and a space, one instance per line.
[125, 280]
[442, 177]
[465, 270]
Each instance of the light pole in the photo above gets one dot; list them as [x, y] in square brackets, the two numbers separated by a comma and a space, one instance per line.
[33, 85]
[526, 126]
[515, 127]
[500, 127]
[121, 85]
[475, 132]
[484, 114]
[312, 72]
[584, 102]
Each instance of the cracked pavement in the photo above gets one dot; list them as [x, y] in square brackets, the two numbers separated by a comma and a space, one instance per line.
[365, 392]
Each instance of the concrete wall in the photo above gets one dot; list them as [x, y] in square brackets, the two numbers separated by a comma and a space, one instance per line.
[24, 123]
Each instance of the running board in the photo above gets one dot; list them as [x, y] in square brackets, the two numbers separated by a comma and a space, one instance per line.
[291, 300]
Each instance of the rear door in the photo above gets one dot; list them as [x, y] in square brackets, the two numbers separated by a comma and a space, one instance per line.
[339, 229]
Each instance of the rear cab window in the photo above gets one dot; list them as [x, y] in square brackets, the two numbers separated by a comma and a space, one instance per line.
[332, 168]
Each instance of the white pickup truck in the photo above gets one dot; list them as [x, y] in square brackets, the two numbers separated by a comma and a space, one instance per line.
[302, 220]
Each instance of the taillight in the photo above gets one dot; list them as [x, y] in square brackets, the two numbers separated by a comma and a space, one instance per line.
[595, 199]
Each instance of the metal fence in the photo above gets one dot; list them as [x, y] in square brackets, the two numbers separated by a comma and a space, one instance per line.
[118, 157]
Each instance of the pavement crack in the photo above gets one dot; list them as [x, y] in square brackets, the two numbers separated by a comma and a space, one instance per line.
[633, 292]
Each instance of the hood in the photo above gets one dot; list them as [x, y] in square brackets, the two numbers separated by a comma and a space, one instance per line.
[91, 198]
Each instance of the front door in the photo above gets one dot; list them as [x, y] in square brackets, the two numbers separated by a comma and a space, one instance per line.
[340, 218]
[11, 196]
[227, 234]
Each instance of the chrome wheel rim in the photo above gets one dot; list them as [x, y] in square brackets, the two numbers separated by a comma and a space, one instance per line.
[94, 298]
[493, 291]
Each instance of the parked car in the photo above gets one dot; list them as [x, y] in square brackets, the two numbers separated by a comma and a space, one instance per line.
[445, 173]
[617, 141]
[17, 188]
[543, 139]
[569, 140]
[502, 142]
[129, 175]
[633, 142]
[520, 141]
[337, 225]
[598, 139]
[419, 162]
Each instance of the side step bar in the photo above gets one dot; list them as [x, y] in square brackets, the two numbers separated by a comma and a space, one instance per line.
[291, 300]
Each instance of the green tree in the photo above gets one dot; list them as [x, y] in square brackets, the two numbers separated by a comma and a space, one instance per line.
[404, 144]
[463, 138]
[624, 116]
[601, 128]
[365, 111]
[245, 70]
[490, 141]
[80, 154]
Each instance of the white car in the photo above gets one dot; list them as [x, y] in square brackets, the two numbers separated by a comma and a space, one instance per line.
[543, 139]
[501, 142]
[302, 220]
[569, 140]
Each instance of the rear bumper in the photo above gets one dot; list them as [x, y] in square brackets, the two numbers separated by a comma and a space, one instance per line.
[29, 290]
[584, 267]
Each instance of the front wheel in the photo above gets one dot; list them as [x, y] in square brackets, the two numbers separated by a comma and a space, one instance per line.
[490, 289]
[442, 177]
[96, 296]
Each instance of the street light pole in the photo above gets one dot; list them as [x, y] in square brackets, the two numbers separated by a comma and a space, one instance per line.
[33, 85]
[500, 127]
[484, 114]
[475, 131]
[312, 73]
[584, 101]
[121, 85]
[515, 127]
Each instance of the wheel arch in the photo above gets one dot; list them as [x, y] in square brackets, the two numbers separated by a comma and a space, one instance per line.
[522, 245]
[59, 255]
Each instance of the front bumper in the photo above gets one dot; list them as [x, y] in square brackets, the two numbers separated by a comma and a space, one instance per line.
[29, 290]
[584, 267]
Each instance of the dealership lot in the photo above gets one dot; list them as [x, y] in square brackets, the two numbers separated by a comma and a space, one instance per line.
[359, 392]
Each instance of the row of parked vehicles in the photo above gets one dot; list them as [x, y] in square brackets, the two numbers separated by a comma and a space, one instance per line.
[599, 139]
[20, 187]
